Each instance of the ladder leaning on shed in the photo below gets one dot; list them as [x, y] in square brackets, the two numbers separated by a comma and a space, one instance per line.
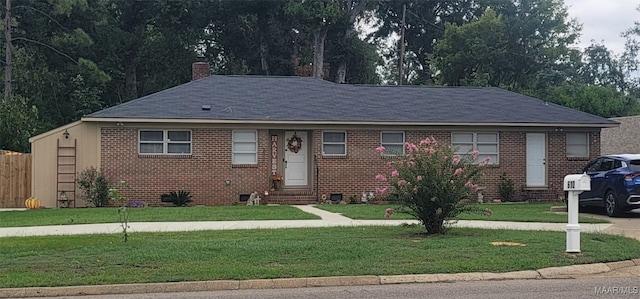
[66, 178]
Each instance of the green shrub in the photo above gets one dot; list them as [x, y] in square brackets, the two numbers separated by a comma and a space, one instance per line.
[94, 186]
[433, 184]
[506, 188]
[180, 198]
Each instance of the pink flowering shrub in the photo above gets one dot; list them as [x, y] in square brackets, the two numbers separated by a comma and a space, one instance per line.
[431, 182]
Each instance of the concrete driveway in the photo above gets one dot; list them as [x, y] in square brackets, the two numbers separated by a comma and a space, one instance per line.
[628, 225]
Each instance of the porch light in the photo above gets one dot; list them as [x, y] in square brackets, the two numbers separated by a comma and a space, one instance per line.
[65, 134]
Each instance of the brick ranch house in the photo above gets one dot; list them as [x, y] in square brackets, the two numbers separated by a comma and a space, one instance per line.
[222, 137]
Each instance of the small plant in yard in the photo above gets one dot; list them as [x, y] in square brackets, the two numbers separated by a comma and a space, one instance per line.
[432, 183]
[134, 204]
[94, 186]
[123, 212]
[506, 188]
[180, 198]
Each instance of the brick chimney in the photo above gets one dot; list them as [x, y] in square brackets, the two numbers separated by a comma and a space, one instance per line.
[199, 70]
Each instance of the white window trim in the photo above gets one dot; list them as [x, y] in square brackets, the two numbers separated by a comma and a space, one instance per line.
[401, 144]
[340, 143]
[165, 141]
[475, 145]
[233, 152]
[566, 139]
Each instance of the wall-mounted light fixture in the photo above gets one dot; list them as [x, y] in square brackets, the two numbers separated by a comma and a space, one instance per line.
[65, 134]
[227, 182]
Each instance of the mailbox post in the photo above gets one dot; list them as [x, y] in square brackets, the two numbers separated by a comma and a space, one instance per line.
[574, 184]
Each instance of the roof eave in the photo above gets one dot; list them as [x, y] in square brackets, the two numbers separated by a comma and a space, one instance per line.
[321, 122]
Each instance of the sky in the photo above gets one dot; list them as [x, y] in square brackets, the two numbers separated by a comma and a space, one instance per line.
[604, 20]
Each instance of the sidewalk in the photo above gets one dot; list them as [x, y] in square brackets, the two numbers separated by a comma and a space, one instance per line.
[328, 220]
[623, 226]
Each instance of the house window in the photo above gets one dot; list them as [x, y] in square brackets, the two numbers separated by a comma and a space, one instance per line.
[393, 143]
[578, 145]
[164, 142]
[334, 143]
[245, 147]
[485, 143]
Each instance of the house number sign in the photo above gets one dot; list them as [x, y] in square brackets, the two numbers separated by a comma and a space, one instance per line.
[274, 154]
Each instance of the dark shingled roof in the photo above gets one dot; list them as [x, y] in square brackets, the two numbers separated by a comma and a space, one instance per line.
[261, 98]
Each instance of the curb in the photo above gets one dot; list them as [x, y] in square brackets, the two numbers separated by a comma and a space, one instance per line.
[564, 272]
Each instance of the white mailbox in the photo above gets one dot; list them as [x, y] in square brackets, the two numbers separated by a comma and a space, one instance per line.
[577, 182]
[574, 184]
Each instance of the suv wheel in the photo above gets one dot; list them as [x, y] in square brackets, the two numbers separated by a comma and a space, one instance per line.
[611, 205]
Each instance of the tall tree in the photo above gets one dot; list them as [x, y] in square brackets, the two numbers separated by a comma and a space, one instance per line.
[351, 11]
[535, 39]
[315, 17]
[424, 25]
[601, 67]
[474, 53]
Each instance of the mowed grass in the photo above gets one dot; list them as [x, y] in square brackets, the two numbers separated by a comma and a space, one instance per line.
[523, 212]
[282, 253]
[150, 214]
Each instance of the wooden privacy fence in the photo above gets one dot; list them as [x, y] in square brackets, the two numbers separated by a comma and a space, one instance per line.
[15, 180]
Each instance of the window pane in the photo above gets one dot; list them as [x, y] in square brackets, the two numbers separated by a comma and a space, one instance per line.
[577, 151]
[493, 158]
[333, 149]
[393, 149]
[463, 148]
[462, 137]
[392, 138]
[244, 159]
[151, 148]
[244, 146]
[179, 148]
[244, 136]
[577, 138]
[488, 137]
[151, 135]
[179, 135]
[487, 148]
[333, 136]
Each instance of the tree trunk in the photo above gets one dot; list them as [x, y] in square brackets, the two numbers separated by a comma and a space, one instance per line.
[318, 52]
[263, 23]
[130, 81]
[8, 53]
[263, 55]
[341, 72]
[434, 226]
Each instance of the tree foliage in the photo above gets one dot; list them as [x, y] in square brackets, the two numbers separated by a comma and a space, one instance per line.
[74, 57]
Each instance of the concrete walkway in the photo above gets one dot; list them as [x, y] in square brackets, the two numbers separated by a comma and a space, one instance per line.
[629, 227]
[328, 220]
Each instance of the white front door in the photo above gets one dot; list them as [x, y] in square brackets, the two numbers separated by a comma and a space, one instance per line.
[536, 160]
[296, 165]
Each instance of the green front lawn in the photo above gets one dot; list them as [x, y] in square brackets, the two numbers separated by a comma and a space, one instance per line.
[150, 214]
[522, 212]
[278, 253]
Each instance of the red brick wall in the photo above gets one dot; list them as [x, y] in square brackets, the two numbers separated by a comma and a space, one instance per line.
[203, 173]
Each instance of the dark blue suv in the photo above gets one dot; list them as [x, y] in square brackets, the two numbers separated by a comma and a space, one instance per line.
[615, 183]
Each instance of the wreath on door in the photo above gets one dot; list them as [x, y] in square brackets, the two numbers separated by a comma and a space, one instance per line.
[294, 143]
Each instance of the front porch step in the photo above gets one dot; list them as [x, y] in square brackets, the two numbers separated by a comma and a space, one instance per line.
[291, 197]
